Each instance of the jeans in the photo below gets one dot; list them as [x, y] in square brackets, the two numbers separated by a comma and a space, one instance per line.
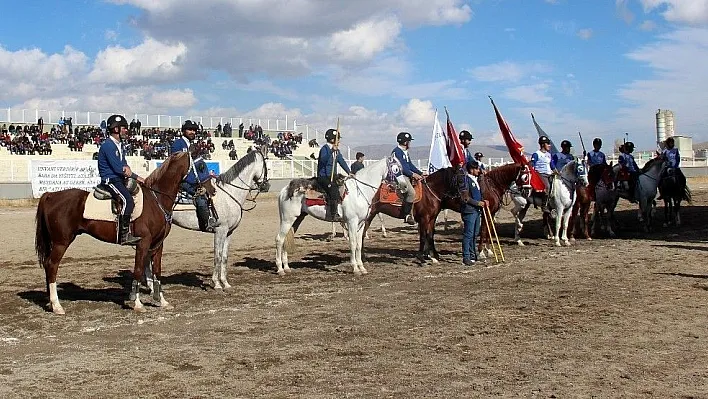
[471, 227]
[120, 193]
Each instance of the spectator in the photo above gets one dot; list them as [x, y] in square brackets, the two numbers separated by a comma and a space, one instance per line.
[359, 163]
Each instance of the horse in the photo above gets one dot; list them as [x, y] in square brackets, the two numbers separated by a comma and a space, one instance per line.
[523, 200]
[60, 218]
[673, 189]
[345, 232]
[235, 185]
[645, 190]
[580, 217]
[602, 178]
[440, 193]
[563, 196]
[354, 208]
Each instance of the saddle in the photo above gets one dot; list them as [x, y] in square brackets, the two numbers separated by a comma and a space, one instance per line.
[315, 194]
[98, 206]
[389, 194]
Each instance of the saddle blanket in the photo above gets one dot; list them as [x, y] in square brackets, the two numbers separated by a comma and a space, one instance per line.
[96, 209]
[389, 195]
[315, 198]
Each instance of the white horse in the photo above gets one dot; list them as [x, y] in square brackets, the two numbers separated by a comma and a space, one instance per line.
[645, 190]
[354, 209]
[346, 232]
[563, 196]
[232, 187]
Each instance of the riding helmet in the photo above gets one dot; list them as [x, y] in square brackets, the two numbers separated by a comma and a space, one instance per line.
[478, 155]
[669, 139]
[544, 140]
[115, 121]
[465, 135]
[566, 143]
[629, 146]
[189, 125]
[597, 140]
[330, 134]
[403, 137]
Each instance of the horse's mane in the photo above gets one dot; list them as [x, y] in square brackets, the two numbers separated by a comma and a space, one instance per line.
[446, 175]
[238, 167]
[502, 175]
[650, 163]
[158, 173]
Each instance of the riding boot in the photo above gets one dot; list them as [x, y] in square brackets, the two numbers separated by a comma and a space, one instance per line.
[206, 221]
[406, 213]
[125, 238]
[333, 211]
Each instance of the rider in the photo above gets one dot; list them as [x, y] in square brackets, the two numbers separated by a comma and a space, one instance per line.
[325, 176]
[410, 171]
[673, 158]
[482, 167]
[199, 171]
[560, 159]
[596, 157]
[113, 169]
[541, 161]
[626, 159]
[466, 140]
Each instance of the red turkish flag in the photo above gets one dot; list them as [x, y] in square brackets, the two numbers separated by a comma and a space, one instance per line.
[454, 147]
[516, 150]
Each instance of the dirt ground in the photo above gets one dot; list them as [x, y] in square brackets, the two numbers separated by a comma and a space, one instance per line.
[606, 318]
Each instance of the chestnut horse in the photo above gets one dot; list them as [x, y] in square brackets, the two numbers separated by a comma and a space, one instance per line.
[60, 219]
[601, 173]
[440, 192]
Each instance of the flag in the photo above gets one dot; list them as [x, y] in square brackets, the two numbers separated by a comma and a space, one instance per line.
[554, 149]
[438, 148]
[516, 150]
[454, 148]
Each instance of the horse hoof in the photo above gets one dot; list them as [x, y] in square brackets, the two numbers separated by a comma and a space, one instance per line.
[140, 309]
[558, 244]
[572, 239]
[520, 243]
[434, 260]
[363, 271]
[58, 310]
[357, 272]
[167, 306]
[566, 243]
[288, 270]
[281, 272]
[589, 238]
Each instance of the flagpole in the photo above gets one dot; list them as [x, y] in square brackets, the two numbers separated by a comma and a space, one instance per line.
[335, 147]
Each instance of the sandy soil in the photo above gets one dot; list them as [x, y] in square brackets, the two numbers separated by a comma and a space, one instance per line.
[606, 318]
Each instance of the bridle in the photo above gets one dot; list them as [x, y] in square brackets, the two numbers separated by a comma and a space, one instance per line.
[257, 186]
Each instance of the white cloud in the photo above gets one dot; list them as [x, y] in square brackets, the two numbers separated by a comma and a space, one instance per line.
[647, 26]
[365, 40]
[417, 113]
[530, 94]
[680, 11]
[507, 71]
[585, 34]
[151, 61]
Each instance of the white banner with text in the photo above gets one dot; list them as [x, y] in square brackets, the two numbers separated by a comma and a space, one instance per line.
[57, 175]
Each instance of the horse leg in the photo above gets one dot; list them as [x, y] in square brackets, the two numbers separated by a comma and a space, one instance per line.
[359, 249]
[434, 255]
[50, 273]
[281, 254]
[519, 213]
[667, 211]
[353, 244]
[677, 215]
[224, 259]
[157, 292]
[383, 228]
[219, 238]
[559, 220]
[565, 226]
[141, 255]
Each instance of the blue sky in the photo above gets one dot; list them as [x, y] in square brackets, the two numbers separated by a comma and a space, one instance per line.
[382, 66]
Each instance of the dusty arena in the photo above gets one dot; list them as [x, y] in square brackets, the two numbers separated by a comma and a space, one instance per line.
[602, 318]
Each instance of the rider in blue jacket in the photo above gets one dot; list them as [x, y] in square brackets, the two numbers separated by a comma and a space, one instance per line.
[198, 173]
[113, 169]
[410, 171]
[325, 164]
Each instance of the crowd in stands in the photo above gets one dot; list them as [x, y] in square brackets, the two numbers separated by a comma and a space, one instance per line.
[151, 143]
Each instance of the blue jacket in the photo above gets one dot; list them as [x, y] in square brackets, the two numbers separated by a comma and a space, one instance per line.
[559, 160]
[472, 205]
[627, 160]
[324, 162]
[110, 160]
[404, 159]
[468, 155]
[673, 156]
[596, 158]
[182, 145]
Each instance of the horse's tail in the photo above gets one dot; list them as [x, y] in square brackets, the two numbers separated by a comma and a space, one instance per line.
[42, 239]
[687, 196]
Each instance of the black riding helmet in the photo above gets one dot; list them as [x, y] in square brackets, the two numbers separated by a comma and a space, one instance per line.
[478, 155]
[465, 135]
[116, 121]
[544, 140]
[566, 144]
[404, 137]
[597, 141]
[189, 125]
[669, 140]
[629, 146]
[330, 134]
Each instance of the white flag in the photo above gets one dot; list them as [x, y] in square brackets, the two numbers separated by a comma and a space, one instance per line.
[438, 148]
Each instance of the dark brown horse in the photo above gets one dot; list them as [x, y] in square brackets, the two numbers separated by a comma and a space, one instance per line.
[60, 219]
[580, 217]
[440, 192]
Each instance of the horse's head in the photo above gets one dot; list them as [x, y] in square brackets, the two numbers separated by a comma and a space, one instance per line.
[260, 175]
[576, 170]
[523, 180]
